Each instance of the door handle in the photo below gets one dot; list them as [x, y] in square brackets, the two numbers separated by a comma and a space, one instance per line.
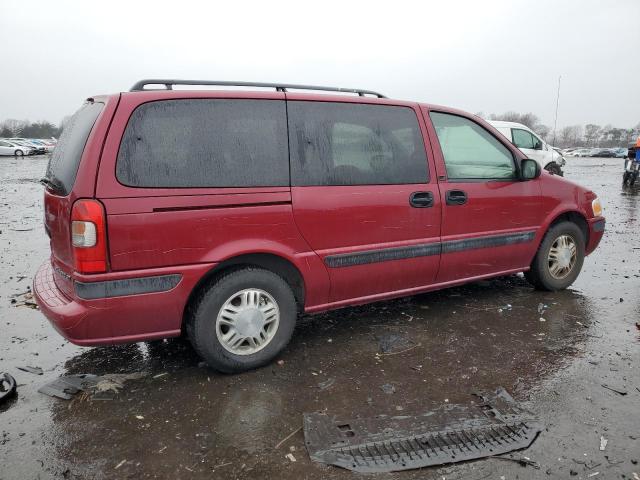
[456, 197]
[421, 199]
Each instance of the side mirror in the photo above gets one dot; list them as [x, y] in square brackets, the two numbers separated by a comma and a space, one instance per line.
[538, 145]
[529, 169]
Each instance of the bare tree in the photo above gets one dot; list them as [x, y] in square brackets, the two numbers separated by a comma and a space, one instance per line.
[592, 134]
[15, 126]
[528, 119]
[544, 131]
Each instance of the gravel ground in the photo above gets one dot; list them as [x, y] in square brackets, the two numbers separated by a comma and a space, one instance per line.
[184, 421]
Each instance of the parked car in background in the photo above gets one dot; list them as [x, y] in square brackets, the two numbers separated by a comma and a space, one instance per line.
[532, 145]
[48, 148]
[582, 152]
[568, 152]
[11, 148]
[51, 142]
[602, 153]
[39, 149]
[301, 202]
[621, 152]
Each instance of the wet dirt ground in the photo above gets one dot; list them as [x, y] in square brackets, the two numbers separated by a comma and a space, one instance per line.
[184, 421]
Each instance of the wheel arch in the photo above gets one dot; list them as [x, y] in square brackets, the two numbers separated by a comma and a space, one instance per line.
[573, 216]
[269, 261]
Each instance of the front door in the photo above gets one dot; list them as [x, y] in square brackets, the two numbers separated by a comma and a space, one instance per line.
[490, 217]
[363, 197]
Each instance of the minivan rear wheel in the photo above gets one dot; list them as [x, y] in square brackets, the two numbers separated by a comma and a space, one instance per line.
[242, 320]
[559, 258]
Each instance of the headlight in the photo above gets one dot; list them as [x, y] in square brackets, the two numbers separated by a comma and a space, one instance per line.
[596, 207]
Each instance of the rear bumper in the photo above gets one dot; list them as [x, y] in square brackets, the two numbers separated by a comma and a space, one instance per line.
[596, 231]
[120, 307]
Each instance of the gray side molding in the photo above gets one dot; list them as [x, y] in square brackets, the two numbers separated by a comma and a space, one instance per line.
[128, 286]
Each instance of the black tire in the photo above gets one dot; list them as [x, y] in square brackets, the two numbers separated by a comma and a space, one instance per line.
[18, 153]
[203, 313]
[540, 275]
[554, 168]
[632, 178]
[625, 177]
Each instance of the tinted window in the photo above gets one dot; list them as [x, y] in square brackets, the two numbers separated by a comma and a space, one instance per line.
[522, 138]
[470, 151]
[355, 144]
[65, 159]
[205, 143]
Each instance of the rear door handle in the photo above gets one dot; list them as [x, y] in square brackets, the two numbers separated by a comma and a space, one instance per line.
[421, 199]
[456, 197]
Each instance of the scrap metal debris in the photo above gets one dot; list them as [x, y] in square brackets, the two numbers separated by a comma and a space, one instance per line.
[603, 443]
[287, 438]
[393, 343]
[326, 384]
[494, 425]
[388, 388]
[114, 382]
[522, 461]
[67, 386]
[616, 390]
[24, 299]
[7, 387]
[34, 370]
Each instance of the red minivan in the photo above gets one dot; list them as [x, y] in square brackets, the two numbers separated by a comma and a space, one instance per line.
[224, 214]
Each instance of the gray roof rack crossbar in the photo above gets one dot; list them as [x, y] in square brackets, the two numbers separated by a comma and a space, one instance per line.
[280, 87]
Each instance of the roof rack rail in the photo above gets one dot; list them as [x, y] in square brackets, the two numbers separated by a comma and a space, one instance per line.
[280, 87]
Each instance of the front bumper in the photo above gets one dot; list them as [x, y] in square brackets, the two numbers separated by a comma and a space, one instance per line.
[596, 231]
[114, 308]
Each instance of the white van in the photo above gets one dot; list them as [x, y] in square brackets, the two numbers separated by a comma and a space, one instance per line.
[531, 145]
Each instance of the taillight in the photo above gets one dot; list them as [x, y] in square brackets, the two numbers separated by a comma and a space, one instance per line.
[89, 237]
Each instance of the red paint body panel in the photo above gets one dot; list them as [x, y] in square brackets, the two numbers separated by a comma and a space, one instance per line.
[188, 231]
[492, 208]
[120, 319]
[349, 219]
[212, 235]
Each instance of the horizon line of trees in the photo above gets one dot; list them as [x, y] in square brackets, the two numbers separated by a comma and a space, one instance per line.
[589, 135]
[11, 127]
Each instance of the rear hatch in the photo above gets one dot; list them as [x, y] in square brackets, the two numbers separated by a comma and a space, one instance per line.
[62, 189]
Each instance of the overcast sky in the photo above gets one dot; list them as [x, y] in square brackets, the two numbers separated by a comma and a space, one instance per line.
[489, 56]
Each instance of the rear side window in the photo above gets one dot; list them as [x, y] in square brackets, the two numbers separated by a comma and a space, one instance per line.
[355, 144]
[65, 159]
[470, 151]
[205, 143]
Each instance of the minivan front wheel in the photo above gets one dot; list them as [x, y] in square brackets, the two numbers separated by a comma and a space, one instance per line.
[18, 153]
[554, 168]
[559, 258]
[242, 320]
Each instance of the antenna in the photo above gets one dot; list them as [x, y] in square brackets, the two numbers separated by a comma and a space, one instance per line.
[555, 120]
